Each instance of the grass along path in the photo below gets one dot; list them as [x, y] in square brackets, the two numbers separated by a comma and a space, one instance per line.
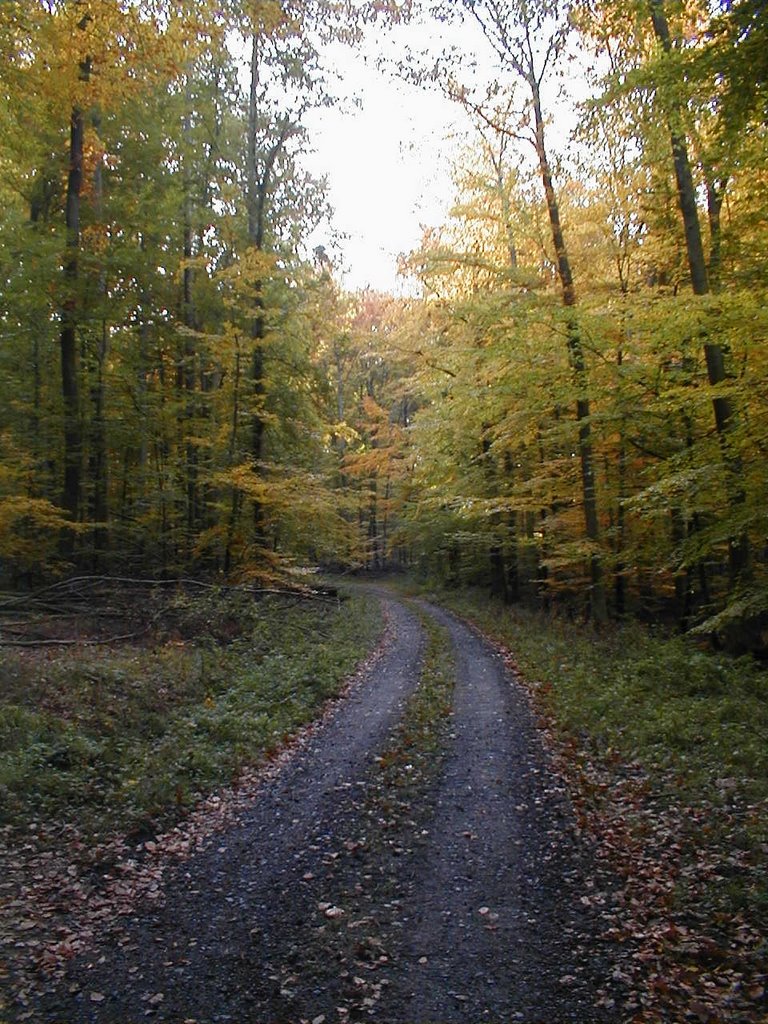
[123, 739]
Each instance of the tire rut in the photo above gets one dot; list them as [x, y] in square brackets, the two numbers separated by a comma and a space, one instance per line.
[478, 910]
[497, 928]
[235, 913]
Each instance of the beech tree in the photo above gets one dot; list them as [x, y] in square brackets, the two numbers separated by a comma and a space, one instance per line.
[527, 40]
[185, 386]
[671, 59]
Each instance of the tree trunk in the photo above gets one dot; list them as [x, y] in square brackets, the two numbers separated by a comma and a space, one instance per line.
[578, 364]
[620, 569]
[98, 461]
[73, 441]
[234, 508]
[724, 411]
[188, 376]
[715, 196]
[257, 189]
[506, 212]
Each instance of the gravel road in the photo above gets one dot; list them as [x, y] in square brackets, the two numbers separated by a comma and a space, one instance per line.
[290, 915]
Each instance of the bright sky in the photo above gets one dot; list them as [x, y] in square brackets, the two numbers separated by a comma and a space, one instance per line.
[388, 162]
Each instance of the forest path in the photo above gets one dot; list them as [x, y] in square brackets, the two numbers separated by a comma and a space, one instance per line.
[323, 904]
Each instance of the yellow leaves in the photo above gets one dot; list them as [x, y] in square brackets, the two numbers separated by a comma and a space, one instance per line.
[279, 491]
[341, 432]
[296, 503]
[95, 239]
[98, 54]
[29, 532]
[266, 17]
[253, 266]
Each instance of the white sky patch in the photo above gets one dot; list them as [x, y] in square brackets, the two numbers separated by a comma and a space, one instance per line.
[388, 148]
[388, 161]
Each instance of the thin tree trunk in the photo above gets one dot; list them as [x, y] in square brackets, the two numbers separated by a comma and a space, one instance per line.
[98, 462]
[142, 387]
[506, 211]
[99, 453]
[578, 364]
[256, 188]
[715, 196]
[620, 580]
[187, 374]
[511, 555]
[73, 441]
[373, 525]
[234, 508]
[188, 379]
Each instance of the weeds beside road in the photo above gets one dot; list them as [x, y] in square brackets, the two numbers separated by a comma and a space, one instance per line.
[125, 737]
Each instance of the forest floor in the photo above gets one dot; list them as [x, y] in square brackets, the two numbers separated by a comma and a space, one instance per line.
[413, 857]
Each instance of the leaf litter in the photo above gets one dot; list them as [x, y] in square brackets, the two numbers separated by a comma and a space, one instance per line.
[61, 890]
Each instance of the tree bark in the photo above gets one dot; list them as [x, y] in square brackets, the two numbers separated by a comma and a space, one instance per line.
[715, 196]
[258, 183]
[99, 461]
[578, 364]
[234, 509]
[723, 408]
[188, 372]
[73, 441]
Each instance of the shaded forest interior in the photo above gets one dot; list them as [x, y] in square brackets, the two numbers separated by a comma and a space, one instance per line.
[570, 410]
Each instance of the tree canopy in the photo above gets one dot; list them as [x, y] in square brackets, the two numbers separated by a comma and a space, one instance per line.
[570, 409]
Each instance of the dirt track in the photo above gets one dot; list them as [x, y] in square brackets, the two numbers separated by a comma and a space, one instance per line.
[307, 909]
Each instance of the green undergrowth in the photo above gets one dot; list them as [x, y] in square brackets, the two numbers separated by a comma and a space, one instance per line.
[694, 722]
[125, 738]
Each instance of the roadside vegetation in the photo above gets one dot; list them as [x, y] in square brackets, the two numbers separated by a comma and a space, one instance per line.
[665, 746]
[125, 737]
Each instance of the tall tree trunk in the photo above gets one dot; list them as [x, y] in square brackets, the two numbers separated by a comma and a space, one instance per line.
[257, 185]
[496, 561]
[162, 457]
[723, 408]
[506, 212]
[373, 523]
[73, 440]
[715, 196]
[578, 364]
[620, 570]
[234, 508]
[98, 460]
[188, 375]
[140, 487]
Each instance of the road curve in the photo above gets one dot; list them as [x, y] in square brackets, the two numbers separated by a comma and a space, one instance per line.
[491, 924]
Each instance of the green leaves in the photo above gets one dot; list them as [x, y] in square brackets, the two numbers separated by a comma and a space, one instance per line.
[105, 741]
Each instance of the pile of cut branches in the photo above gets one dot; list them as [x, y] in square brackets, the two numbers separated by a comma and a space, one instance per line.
[97, 610]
